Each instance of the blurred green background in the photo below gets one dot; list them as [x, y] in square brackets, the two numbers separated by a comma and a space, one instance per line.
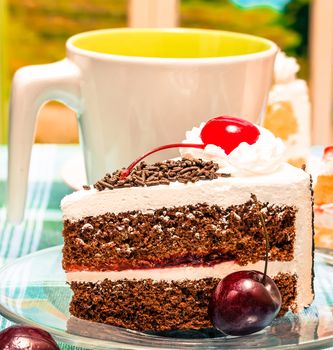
[36, 30]
[288, 27]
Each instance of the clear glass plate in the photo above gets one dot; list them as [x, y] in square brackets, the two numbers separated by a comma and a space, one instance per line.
[33, 291]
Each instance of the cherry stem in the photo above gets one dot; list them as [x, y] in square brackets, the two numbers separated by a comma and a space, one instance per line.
[262, 220]
[127, 171]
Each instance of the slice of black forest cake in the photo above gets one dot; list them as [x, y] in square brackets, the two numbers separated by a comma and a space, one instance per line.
[144, 251]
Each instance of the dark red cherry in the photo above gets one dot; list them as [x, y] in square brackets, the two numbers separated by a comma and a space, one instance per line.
[244, 302]
[225, 132]
[228, 132]
[26, 338]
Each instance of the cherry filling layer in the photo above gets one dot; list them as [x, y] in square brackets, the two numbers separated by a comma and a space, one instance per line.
[174, 261]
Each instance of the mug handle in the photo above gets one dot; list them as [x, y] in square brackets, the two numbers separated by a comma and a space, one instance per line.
[32, 87]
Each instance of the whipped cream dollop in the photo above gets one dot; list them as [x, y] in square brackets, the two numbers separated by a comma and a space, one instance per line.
[327, 163]
[285, 68]
[264, 156]
[327, 167]
[324, 215]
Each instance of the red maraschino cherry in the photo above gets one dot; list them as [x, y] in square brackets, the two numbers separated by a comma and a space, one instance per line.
[26, 338]
[228, 132]
[245, 302]
[328, 153]
[224, 131]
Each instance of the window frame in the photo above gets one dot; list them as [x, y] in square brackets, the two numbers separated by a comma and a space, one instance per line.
[321, 70]
[153, 13]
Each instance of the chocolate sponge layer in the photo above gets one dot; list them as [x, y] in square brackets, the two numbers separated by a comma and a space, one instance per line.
[198, 234]
[148, 305]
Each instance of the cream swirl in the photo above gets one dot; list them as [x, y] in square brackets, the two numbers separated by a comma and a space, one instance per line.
[327, 166]
[285, 68]
[263, 157]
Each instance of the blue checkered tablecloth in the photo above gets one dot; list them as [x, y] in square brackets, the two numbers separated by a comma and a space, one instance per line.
[43, 224]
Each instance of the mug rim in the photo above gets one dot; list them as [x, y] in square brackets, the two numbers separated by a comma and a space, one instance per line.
[72, 49]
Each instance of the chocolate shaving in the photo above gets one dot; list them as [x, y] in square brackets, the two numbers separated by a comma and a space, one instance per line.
[161, 173]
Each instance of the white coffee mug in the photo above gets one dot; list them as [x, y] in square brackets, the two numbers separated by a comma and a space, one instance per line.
[136, 89]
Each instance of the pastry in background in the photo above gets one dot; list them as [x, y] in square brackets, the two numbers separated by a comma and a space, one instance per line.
[323, 196]
[288, 109]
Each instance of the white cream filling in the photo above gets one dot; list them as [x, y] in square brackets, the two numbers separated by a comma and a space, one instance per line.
[180, 273]
[193, 273]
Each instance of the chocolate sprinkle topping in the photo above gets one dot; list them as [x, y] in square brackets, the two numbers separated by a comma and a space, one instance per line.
[161, 173]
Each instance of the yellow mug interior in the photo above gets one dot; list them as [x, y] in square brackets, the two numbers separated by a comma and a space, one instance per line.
[170, 43]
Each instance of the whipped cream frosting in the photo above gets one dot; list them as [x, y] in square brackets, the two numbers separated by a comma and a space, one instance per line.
[327, 166]
[265, 156]
[324, 215]
[285, 68]
[287, 186]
